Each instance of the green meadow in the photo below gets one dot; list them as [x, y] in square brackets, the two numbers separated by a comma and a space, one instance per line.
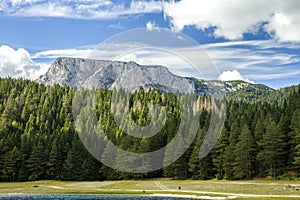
[255, 189]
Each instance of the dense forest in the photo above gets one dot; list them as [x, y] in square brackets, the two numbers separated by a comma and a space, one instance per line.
[38, 139]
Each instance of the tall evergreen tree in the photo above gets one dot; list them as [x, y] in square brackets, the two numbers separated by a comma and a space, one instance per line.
[37, 163]
[295, 132]
[54, 164]
[73, 163]
[38, 139]
[10, 165]
[219, 153]
[230, 153]
[272, 153]
[246, 151]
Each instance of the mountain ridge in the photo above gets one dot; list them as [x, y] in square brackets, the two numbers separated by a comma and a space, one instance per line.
[90, 73]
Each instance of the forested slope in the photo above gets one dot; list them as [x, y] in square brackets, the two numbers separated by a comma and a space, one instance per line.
[38, 139]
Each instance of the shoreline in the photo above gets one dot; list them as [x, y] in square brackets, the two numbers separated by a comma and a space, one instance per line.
[171, 195]
[158, 187]
[185, 196]
[189, 196]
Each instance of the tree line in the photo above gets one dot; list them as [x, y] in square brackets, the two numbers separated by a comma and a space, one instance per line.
[38, 139]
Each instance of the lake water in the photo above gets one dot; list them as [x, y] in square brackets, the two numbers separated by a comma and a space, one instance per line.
[89, 197]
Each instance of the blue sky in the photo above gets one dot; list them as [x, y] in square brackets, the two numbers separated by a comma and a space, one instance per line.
[251, 40]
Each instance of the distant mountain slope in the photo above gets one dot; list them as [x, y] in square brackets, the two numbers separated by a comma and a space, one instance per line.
[77, 72]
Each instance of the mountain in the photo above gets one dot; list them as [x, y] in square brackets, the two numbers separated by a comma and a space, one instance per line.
[77, 72]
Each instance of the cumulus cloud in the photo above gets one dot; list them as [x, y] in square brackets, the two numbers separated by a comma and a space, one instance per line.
[233, 76]
[230, 19]
[18, 63]
[284, 26]
[233, 18]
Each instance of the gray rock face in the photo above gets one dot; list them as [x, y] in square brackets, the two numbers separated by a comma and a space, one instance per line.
[73, 72]
[76, 72]
[131, 76]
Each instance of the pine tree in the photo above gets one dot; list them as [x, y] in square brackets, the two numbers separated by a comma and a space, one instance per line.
[109, 157]
[38, 139]
[295, 132]
[260, 129]
[194, 162]
[55, 162]
[90, 169]
[272, 149]
[201, 168]
[10, 165]
[37, 163]
[179, 168]
[230, 153]
[246, 151]
[72, 166]
[218, 154]
[205, 171]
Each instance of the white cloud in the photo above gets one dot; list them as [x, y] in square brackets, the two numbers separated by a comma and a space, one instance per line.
[48, 9]
[232, 18]
[78, 9]
[175, 58]
[287, 74]
[18, 63]
[175, 63]
[75, 53]
[22, 2]
[284, 26]
[117, 26]
[233, 76]
[256, 60]
[150, 26]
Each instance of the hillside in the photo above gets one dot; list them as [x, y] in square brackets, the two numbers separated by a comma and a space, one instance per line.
[38, 140]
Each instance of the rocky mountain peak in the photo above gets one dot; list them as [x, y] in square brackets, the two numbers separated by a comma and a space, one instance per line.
[89, 73]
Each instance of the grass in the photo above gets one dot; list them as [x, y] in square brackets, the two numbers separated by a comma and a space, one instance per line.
[161, 186]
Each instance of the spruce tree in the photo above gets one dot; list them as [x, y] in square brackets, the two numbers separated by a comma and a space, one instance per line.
[219, 153]
[246, 151]
[73, 163]
[295, 132]
[272, 149]
[36, 163]
[230, 153]
[55, 162]
[11, 165]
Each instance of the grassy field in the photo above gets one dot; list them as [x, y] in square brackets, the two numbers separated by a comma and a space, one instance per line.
[256, 189]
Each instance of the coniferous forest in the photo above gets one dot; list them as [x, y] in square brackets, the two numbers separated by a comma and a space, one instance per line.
[38, 139]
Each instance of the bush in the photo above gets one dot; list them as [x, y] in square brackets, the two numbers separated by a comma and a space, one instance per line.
[33, 177]
[289, 177]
